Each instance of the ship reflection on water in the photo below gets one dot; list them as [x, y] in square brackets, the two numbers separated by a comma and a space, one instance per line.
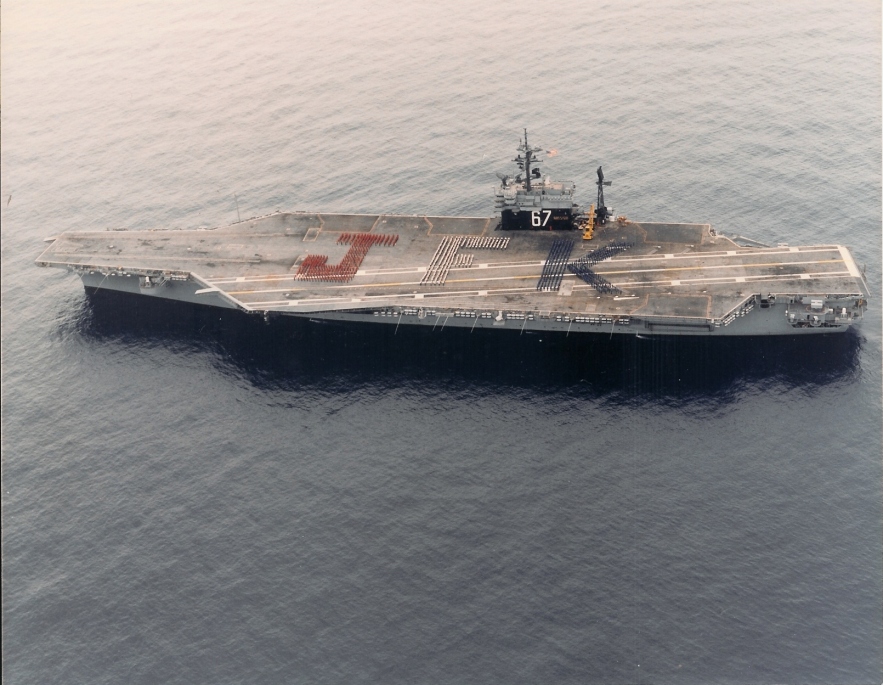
[291, 352]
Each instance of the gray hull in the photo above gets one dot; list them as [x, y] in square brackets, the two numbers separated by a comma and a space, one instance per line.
[755, 320]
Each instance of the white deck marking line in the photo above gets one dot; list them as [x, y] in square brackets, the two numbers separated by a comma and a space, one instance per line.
[722, 280]
[398, 284]
[501, 291]
[850, 262]
[501, 265]
[722, 255]
[422, 269]
[394, 296]
[474, 293]
[373, 272]
[230, 280]
[401, 284]
[330, 288]
[117, 257]
[721, 266]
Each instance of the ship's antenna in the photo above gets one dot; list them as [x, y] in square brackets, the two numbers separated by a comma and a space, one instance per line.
[525, 161]
[601, 210]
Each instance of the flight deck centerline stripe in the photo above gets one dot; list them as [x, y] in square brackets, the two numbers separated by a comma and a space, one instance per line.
[723, 280]
[717, 255]
[721, 266]
[706, 255]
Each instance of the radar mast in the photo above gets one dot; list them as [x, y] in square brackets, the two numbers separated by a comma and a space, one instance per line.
[602, 211]
[527, 156]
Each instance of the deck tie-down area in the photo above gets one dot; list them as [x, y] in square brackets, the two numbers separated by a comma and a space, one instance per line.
[673, 274]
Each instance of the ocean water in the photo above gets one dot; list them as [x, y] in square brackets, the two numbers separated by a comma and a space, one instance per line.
[191, 496]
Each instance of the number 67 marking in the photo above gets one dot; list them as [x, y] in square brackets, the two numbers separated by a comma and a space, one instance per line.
[535, 217]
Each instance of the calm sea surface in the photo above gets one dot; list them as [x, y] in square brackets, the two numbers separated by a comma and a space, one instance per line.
[196, 497]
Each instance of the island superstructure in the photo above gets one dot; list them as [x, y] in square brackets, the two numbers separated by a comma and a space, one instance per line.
[540, 263]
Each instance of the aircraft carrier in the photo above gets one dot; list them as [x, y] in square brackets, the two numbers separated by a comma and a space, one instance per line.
[541, 263]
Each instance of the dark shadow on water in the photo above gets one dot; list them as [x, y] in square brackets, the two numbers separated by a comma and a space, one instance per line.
[291, 352]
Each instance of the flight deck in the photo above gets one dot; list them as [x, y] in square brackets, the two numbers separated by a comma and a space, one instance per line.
[631, 277]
